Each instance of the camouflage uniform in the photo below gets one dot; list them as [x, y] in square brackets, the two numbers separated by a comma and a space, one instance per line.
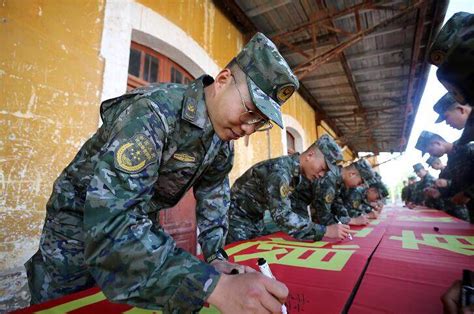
[410, 190]
[355, 201]
[452, 53]
[454, 165]
[101, 223]
[427, 181]
[269, 185]
[329, 191]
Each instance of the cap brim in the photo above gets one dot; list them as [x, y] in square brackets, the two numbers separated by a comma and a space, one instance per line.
[269, 107]
[332, 167]
[440, 119]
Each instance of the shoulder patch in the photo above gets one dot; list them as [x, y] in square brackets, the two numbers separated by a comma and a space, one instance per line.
[190, 109]
[285, 190]
[329, 197]
[355, 204]
[135, 154]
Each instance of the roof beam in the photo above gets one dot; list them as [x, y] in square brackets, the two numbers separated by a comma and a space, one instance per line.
[268, 6]
[304, 68]
[380, 68]
[411, 78]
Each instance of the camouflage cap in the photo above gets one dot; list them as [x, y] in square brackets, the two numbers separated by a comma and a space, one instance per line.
[331, 151]
[377, 183]
[365, 170]
[381, 188]
[442, 105]
[431, 160]
[424, 140]
[452, 50]
[269, 78]
[411, 177]
[450, 36]
[417, 167]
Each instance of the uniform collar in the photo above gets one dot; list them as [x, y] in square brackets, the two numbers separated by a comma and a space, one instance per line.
[194, 104]
[295, 162]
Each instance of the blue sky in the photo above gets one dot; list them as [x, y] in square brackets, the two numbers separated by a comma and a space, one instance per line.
[397, 170]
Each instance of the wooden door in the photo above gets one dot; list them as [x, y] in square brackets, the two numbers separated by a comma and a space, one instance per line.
[180, 222]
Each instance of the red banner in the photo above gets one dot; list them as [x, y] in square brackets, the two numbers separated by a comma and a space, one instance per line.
[412, 257]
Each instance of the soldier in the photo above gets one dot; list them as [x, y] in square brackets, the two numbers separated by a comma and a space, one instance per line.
[410, 191]
[436, 198]
[426, 180]
[366, 199]
[268, 186]
[435, 163]
[355, 200]
[328, 204]
[452, 53]
[457, 116]
[403, 194]
[154, 145]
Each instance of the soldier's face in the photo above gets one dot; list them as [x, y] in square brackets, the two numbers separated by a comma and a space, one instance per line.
[372, 194]
[436, 148]
[314, 165]
[352, 178]
[226, 105]
[421, 173]
[437, 165]
[456, 117]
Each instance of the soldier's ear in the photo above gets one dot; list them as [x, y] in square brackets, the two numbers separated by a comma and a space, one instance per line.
[223, 78]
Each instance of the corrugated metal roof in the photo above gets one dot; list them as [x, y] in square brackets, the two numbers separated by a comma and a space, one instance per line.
[370, 91]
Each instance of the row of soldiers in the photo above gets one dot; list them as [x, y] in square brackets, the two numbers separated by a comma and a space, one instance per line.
[453, 191]
[306, 195]
[158, 142]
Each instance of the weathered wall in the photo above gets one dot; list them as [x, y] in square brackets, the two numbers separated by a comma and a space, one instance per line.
[50, 81]
[50, 86]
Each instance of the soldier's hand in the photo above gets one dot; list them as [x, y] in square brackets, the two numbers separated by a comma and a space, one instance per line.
[460, 199]
[338, 231]
[450, 298]
[373, 214]
[441, 183]
[410, 205]
[225, 267]
[248, 293]
[359, 221]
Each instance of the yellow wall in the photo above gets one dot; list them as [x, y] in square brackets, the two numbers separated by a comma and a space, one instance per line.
[50, 86]
[50, 82]
[204, 23]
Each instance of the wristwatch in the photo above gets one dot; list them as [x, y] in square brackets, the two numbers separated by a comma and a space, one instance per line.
[220, 254]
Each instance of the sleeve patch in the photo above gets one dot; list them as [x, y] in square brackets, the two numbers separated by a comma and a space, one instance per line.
[135, 154]
[285, 190]
[329, 198]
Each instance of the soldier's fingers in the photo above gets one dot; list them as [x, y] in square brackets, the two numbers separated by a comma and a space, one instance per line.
[352, 231]
[270, 304]
[276, 288]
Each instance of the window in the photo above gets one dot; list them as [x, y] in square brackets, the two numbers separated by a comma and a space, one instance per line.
[290, 143]
[148, 66]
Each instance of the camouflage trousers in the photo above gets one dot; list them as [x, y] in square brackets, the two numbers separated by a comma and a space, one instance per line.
[58, 267]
